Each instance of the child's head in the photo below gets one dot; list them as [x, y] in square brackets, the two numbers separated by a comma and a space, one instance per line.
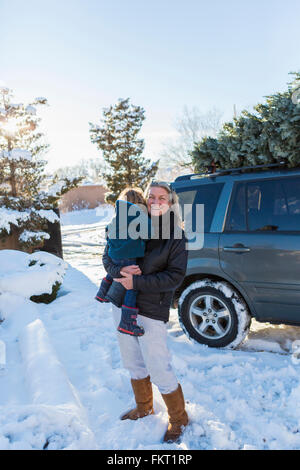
[133, 195]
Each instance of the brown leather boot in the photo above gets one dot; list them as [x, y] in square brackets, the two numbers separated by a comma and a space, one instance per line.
[178, 417]
[142, 389]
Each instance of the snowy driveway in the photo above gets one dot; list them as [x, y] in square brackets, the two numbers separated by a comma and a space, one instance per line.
[236, 399]
[243, 399]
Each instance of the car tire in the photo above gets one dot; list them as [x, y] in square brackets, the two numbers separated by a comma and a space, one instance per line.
[213, 313]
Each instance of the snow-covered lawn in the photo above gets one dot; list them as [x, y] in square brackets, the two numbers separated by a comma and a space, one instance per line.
[63, 386]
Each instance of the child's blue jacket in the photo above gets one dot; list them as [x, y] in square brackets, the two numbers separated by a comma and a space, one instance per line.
[120, 244]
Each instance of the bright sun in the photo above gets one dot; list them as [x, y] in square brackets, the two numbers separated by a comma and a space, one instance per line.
[11, 127]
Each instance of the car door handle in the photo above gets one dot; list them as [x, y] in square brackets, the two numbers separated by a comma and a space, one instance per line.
[238, 248]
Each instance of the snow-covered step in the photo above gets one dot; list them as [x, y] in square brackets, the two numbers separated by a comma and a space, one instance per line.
[46, 377]
[47, 380]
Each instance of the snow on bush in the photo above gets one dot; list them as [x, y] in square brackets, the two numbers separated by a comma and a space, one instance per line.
[30, 275]
[16, 154]
[33, 237]
[47, 214]
[10, 216]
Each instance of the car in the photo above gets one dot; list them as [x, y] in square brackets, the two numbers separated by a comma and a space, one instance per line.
[249, 264]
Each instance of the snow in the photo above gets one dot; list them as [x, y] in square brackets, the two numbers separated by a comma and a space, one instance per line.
[30, 109]
[56, 188]
[100, 215]
[4, 90]
[48, 215]
[2, 355]
[47, 380]
[16, 154]
[15, 105]
[29, 275]
[40, 100]
[27, 236]
[41, 364]
[10, 216]
[64, 387]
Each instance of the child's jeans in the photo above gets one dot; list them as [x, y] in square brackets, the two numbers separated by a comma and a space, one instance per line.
[128, 323]
[130, 296]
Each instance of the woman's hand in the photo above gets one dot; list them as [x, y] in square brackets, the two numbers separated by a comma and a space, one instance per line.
[132, 269]
[126, 281]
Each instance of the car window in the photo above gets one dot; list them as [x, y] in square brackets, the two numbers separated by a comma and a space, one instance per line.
[268, 205]
[207, 194]
[236, 221]
[292, 192]
[264, 200]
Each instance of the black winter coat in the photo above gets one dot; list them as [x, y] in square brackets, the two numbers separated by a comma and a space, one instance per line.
[163, 269]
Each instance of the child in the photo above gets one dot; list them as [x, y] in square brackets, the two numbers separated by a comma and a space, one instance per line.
[123, 250]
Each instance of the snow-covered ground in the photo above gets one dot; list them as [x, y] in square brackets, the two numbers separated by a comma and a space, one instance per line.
[63, 385]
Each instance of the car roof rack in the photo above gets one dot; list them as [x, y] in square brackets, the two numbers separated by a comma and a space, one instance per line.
[227, 171]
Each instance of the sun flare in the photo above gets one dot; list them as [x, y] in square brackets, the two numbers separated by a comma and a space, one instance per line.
[10, 127]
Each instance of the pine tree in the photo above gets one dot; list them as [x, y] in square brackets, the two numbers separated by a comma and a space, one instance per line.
[122, 150]
[270, 134]
[21, 146]
[22, 203]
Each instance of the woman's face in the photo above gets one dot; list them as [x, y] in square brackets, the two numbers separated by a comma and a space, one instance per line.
[158, 201]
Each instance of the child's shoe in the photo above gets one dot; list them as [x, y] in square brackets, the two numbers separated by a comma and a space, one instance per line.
[128, 324]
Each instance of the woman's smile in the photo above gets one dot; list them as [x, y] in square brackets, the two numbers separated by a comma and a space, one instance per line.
[158, 201]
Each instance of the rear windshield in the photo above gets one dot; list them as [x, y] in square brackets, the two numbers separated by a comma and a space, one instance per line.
[207, 194]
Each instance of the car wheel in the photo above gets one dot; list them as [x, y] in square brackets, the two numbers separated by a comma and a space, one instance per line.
[213, 313]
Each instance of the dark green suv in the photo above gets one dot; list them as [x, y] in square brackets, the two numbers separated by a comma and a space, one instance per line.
[249, 265]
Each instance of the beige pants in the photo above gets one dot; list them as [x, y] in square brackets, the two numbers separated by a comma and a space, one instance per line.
[147, 354]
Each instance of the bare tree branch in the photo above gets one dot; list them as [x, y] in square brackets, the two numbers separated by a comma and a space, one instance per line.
[191, 127]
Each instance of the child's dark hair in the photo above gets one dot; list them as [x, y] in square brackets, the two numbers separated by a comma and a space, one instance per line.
[133, 195]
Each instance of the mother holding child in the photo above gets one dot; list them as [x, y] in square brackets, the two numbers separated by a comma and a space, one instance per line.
[142, 275]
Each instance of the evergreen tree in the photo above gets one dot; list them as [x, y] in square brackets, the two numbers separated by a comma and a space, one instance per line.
[21, 146]
[22, 203]
[122, 150]
[270, 134]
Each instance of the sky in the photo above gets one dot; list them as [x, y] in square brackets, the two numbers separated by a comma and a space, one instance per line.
[83, 55]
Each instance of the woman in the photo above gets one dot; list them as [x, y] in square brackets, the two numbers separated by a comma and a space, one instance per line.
[159, 273]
